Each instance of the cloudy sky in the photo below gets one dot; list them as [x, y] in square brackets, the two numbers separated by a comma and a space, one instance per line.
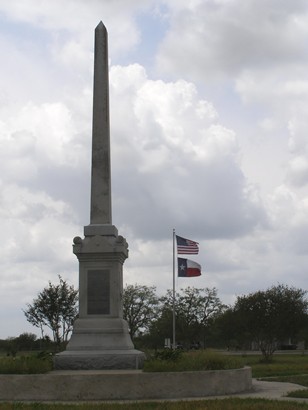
[209, 120]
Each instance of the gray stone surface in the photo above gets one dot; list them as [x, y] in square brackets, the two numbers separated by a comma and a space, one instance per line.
[100, 229]
[123, 385]
[101, 178]
[100, 334]
[98, 359]
[101, 253]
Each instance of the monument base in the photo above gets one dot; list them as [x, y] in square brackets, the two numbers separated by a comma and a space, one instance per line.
[100, 334]
[99, 360]
[99, 344]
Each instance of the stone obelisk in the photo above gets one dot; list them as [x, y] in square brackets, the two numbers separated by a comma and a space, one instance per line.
[100, 338]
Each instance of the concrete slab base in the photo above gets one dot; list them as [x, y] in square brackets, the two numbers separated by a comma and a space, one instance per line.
[123, 385]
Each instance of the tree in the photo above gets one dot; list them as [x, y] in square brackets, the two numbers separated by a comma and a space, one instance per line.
[160, 329]
[139, 307]
[26, 341]
[56, 308]
[194, 309]
[225, 332]
[269, 317]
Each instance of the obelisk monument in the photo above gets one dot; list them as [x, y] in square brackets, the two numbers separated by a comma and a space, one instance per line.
[100, 338]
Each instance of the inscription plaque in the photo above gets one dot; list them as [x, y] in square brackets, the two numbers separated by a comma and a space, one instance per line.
[98, 292]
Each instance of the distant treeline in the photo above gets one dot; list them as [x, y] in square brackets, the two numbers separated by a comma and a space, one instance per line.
[25, 342]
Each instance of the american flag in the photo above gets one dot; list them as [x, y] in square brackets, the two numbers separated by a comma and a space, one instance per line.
[186, 246]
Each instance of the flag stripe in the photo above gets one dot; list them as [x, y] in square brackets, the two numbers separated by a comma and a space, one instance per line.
[186, 246]
[193, 272]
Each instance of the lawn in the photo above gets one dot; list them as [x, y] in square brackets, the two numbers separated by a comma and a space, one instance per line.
[282, 365]
[219, 404]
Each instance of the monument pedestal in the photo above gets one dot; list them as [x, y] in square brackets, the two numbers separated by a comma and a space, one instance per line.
[100, 338]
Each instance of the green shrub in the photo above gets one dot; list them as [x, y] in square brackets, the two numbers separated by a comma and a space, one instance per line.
[168, 354]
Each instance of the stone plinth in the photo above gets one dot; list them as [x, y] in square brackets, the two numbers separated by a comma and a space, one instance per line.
[100, 338]
[100, 334]
[99, 359]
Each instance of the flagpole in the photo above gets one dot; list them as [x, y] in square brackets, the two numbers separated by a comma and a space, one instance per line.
[173, 294]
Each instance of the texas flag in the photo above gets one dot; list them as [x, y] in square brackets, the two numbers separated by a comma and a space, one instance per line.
[188, 268]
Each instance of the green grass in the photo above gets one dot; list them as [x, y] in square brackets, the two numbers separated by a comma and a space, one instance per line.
[300, 394]
[25, 365]
[282, 365]
[193, 361]
[220, 404]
